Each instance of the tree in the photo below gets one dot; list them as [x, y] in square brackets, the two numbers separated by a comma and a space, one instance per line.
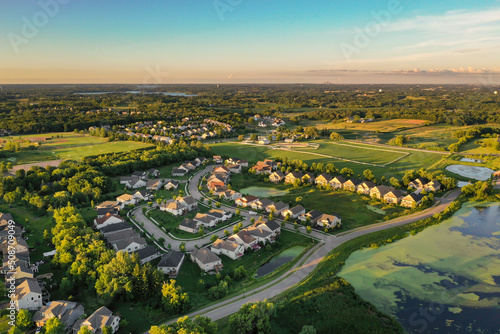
[54, 326]
[252, 318]
[253, 137]
[107, 330]
[240, 273]
[241, 137]
[174, 300]
[335, 136]
[84, 330]
[395, 182]
[14, 330]
[309, 229]
[23, 319]
[186, 325]
[347, 172]
[213, 238]
[368, 174]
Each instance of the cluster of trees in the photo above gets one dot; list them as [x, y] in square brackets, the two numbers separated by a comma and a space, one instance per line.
[53, 187]
[465, 136]
[479, 190]
[253, 318]
[126, 162]
[398, 140]
[187, 325]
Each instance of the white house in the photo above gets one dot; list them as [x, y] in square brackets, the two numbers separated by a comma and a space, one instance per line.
[230, 249]
[28, 295]
[329, 221]
[206, 260]
[170, 264]
[108, 219]
[101, 318]
[294, 212]
[125, 199]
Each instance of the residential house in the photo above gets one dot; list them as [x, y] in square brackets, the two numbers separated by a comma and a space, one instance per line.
[205, 220]
[262, 235]
[221, 215]
[190, 165]
[432, 186]
[174, 208]
[328, 221]
[292, 176]
[323, 179]
[142, 195]
[230, 249]
[394, 196]
[148, 254]
[412, 200]
[277, 208]
[179, 171]
[418, 183]
[125, 199]
[110, 229]
[23, 271]
[352, 184]
[140, 174]
[237, 161]
[234, 168]
[221, 169]
[231, 195]
[154, 172]
[189, 202]
[294, 212]
[172, 184]
[261, 204]
[246, 201]
[276, 177]
[365, 187]
[135, 183]
[206, 260]
[170, 263]
[101, 318]
[218, 190]
[337, 182]
[154, 184]
[126, 240]
[67, 312]
[28, 295]
[245, 239]
[264, 141]
[308, 178]
[380, 191]
[106, 220]
[218, 159]
[189, 226]
[270, 226]
[312, 216]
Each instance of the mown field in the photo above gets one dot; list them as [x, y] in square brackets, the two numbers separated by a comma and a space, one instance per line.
[65, 145]
[362, 152]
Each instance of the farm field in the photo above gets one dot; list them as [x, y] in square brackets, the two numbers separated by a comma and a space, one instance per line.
[384, 125]
[66, 145]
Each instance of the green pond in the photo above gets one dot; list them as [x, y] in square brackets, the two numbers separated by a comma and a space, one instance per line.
[263, 191]
[445, 279]
[277, 261]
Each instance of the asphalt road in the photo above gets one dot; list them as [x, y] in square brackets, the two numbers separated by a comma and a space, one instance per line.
[301, 271]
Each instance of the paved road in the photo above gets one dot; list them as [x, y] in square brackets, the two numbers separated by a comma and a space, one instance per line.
[300, 271]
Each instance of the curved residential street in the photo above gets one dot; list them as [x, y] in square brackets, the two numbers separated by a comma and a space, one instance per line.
[304, 267]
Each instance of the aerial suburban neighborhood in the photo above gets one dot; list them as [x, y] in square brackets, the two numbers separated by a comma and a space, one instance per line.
[245, 167]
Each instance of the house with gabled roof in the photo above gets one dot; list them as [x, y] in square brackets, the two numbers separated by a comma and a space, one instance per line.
[276, 177]
[188, 201]
[205, 220]
[110, 229]
[294, 212]
[365, 187]
[189, 225]
[170, 263]
[418, 183]
[261, 204]
[262, 235]
[172, 184]
[142, 195]
[277, 208]
[28, 295]
[380, 191]
[140, 174]
[101, 318]
[246, 201]
[230, 249]
[394, 196]
[206, 260]
[245, 239]
[67, 312]
[174, 208]
[308, 177]
[154, 184]
[412, 200]
[106, 220]
[125, 199]
[148, 254]
[432, 186]
[328, 221]
[312, 216]
[179, 171]
[352, 184]
[323, 179]
[154, 172]
[292, 176]
[270, 226]
[231, 195]
[337, 182]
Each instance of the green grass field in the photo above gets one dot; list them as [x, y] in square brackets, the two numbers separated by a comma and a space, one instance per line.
[67, 145]
[363, 152]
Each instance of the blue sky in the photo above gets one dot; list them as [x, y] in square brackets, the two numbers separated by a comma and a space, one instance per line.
[233, 41]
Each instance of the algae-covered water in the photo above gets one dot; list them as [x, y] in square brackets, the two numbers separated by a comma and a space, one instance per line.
[263, 191]
[445, 279]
